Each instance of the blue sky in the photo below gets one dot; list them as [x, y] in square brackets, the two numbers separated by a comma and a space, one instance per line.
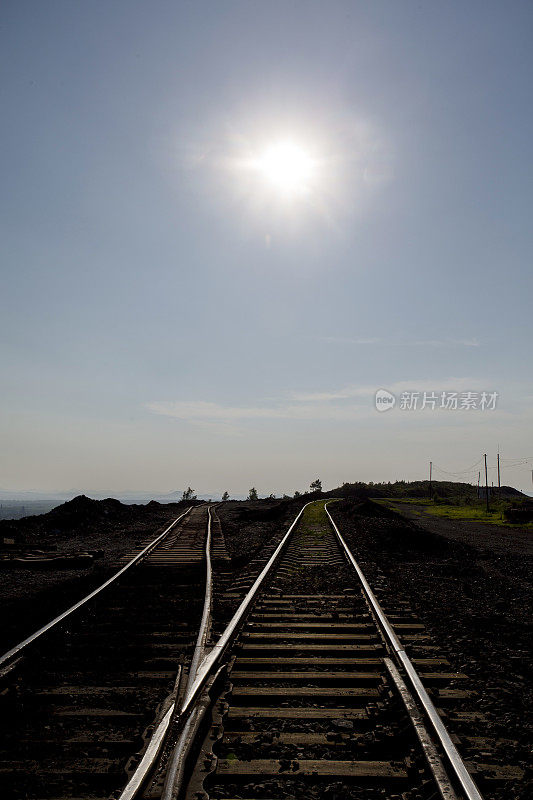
[167, 319]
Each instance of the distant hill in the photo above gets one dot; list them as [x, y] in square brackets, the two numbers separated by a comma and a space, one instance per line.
[446, 490]
[16, 505]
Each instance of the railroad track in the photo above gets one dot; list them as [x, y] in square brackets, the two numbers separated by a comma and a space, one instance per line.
[312, 705]
[309, 690]
[317, 695]
[77, 698]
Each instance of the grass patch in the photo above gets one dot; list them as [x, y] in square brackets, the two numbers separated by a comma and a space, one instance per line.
[476, 512]
[314, 512]
[314, 519]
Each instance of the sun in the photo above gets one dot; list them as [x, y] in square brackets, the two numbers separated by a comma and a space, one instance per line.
[287, 167]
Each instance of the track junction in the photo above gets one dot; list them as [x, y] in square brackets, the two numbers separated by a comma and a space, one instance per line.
[289, 680]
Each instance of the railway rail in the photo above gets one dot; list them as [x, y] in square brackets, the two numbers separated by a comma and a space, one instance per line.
[297, 686]
[78, 697]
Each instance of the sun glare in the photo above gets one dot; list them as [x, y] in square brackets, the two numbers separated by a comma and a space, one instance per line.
[288, 167]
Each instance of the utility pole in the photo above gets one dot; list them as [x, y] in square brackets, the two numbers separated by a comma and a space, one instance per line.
[430, 471]
[499, 484]
[486, 482]
[478, 482]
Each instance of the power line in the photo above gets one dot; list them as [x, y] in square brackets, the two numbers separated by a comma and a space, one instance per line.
[459, 472]
[508, 463]
[469, 475]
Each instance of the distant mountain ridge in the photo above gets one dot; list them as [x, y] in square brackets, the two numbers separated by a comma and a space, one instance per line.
[137, 496]
[16, 504]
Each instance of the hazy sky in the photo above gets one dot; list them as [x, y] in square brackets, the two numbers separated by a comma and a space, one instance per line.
[172, 316]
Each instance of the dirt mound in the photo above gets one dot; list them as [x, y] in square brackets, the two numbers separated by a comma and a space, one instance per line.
[259, 511]
[393, 532]
[249, 525]
[366, 508]
[79, 517]
[83, 511]
[80, 513]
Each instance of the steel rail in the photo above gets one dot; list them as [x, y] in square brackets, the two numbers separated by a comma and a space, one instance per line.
[18, 648]
[433, 759]
[212, 660]
[209, 666]
[460, 771]
[175, 768]
[176, 773]
[205, 624]
[154, 747]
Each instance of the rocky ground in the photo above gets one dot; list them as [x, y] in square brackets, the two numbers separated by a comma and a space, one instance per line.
[31, 596]
[472, 589]
[469, 582]
[247, 526]
[493, 539]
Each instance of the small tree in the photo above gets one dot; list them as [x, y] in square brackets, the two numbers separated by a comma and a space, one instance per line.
[297, 493]
[316, 486]
[188, 494]
[225, 496]
[252, 494]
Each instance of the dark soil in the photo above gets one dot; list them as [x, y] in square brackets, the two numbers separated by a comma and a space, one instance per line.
[31, 596]
[247, 526]
[495, 539]
[471, 587]
[469, 582]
